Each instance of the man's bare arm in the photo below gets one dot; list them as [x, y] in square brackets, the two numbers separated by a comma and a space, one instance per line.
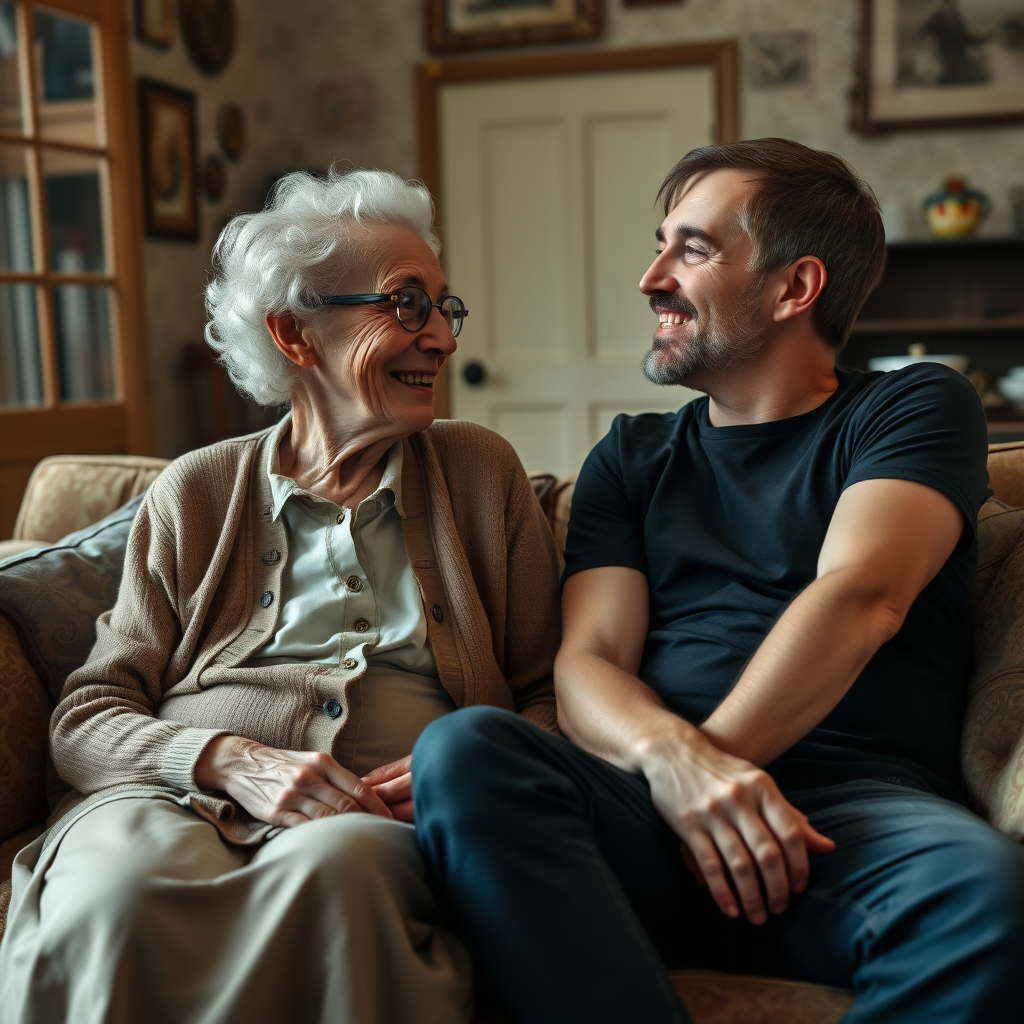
[729, 814]
[887, 540]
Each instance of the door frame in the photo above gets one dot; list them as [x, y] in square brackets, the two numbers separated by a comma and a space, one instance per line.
[431, 76]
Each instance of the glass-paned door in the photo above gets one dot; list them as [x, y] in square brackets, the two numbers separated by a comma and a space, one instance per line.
[71, 368]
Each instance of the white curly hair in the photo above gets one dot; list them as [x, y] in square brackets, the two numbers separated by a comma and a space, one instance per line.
[273, 262]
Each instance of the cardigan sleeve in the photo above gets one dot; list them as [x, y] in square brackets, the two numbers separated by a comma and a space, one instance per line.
[104, 731]
[533, 614]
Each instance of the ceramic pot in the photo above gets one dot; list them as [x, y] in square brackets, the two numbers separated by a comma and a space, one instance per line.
[957, 210]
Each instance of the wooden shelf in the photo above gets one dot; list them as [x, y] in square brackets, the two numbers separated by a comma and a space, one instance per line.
[911, 325]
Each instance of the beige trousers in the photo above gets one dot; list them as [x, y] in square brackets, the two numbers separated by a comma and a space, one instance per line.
[144, 915]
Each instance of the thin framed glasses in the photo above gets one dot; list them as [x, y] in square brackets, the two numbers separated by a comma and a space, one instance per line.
[412, 305]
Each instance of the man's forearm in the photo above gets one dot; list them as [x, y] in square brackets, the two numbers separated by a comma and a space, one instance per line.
[611, 713]
[804, 667]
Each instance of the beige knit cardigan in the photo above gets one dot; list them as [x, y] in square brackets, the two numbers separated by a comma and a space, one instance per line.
[199, 597]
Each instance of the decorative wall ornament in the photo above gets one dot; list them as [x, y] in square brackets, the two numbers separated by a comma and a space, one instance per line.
[214, 177]
[231, 130]
[344, 107]
[154, 21]
[777, 59]
[169, 159]
[208, 27]
[939, 63]
[474, 24]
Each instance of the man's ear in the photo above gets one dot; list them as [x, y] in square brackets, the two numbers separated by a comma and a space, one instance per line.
[802, 284]
[290, 338]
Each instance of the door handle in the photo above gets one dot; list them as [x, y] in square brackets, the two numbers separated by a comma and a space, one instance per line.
[474, 374]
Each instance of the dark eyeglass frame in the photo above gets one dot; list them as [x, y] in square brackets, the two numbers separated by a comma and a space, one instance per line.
[454, 316]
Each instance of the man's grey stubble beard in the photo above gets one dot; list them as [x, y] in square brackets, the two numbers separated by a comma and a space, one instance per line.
[718, 345]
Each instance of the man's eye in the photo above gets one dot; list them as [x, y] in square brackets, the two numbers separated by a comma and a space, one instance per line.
[692, 250]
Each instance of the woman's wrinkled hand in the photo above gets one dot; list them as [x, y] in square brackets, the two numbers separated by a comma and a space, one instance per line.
[393, 784]
[284, 787]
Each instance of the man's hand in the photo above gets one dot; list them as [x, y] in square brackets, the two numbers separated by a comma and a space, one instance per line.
[393, 784]
[734, 823]
[283, 787]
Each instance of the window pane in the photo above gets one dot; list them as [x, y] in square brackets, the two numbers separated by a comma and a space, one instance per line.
[21, 380]
[15, 214]
[82, 323]
[73, 185]
[10, 83]
[66, 78]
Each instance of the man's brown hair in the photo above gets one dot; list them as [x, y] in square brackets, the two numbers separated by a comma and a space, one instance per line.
[806, 203]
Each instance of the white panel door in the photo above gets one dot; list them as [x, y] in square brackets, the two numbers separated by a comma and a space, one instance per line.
[549, 188]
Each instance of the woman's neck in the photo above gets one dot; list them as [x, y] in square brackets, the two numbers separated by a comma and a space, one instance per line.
[343, 462]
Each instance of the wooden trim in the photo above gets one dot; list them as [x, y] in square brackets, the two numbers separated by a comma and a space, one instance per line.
[126, 217]
[721, 55]
[43, 142]
[52, 277]
[85, 427]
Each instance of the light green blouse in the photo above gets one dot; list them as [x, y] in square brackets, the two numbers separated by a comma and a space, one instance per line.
[349, 598]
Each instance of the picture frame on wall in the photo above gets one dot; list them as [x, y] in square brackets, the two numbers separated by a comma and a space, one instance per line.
[478, 24]
[168, 117]
[939, 63]
[154, 22]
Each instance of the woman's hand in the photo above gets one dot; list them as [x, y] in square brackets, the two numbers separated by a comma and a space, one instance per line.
[284, 787]
[393, 784]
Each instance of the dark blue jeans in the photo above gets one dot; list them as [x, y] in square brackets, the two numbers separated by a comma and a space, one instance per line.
[573, 897]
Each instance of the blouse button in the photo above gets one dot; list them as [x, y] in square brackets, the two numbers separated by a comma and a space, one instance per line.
[354, 583]
[437, 613]
[361, 625]
[341, 518]
[266, 599]
[332, 708]
[349, 663]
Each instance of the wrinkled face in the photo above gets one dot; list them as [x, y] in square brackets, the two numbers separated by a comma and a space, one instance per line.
[709, 302]
[374, 370]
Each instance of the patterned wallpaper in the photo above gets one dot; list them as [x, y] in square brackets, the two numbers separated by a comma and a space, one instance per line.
[299, 67]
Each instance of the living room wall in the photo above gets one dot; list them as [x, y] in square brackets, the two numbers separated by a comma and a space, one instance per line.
[286, 55]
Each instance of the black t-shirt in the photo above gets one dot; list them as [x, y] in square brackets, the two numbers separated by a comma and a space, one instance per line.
[727, 524]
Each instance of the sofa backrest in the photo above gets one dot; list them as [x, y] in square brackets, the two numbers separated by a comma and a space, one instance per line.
[70, 492]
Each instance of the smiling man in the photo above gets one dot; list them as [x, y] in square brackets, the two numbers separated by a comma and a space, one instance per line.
[766, 649]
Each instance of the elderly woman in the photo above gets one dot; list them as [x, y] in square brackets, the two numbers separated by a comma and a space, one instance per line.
[296, 607]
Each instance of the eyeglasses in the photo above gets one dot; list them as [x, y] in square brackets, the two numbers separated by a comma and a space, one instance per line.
[412, 305]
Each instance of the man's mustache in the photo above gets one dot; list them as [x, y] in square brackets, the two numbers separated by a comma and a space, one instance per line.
[676, 303]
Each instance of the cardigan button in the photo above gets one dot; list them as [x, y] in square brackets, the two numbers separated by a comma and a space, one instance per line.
[271, 557]
[266, 599]
[332, 708]
[437, 613]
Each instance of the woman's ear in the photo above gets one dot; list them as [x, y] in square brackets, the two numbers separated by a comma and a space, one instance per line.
[801, 288]
[291, 339]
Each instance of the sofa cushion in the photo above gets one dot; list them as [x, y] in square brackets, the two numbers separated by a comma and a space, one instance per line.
[24, 717]
[55, 594]
[992, 752]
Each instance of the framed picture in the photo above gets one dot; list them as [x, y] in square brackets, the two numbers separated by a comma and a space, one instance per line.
[939, 63]
[169, 159]
[154, 21]
[474, 24]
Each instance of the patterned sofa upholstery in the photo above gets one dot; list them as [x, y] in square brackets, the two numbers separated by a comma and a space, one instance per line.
[68, 493]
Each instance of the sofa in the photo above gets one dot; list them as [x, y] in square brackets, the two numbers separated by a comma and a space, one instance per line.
[48, 600]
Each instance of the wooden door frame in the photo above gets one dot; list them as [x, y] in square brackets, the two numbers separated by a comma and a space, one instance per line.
[720, 55]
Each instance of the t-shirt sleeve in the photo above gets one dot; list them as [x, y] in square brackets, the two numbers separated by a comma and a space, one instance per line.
[604, 526]
[928, 425]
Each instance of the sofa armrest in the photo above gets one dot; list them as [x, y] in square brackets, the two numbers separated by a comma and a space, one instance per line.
[24, 727]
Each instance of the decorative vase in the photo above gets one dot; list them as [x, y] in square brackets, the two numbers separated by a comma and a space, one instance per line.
[956, 211]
